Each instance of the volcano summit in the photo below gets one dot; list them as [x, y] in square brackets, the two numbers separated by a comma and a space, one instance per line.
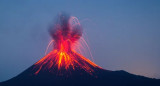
[66, 31]
[63, 66]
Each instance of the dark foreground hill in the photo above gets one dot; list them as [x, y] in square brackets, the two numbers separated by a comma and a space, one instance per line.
[79, 77]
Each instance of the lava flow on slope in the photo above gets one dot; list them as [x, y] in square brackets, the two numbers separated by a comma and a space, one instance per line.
[65, 33]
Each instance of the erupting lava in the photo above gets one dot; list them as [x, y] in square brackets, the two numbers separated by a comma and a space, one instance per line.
[63, 66]
[65, 33]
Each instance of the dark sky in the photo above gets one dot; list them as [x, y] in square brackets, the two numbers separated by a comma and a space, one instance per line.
[122, 34]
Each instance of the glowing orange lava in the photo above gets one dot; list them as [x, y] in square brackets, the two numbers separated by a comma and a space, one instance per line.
[63, 56]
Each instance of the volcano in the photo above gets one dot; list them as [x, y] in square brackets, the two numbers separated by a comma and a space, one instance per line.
[63, 66]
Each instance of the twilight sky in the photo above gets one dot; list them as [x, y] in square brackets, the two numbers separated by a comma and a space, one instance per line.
[122, 34]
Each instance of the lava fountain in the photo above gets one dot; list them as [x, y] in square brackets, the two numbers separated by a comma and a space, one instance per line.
[65, 33]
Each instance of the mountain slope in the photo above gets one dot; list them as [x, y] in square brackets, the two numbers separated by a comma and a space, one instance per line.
[79, 77]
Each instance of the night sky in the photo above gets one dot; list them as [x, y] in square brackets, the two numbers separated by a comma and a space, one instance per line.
[122, 34]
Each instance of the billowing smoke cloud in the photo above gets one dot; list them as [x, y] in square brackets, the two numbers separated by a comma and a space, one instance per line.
[66, 27]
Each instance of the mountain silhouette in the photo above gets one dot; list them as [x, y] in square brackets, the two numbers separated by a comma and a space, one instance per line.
[79, 77]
